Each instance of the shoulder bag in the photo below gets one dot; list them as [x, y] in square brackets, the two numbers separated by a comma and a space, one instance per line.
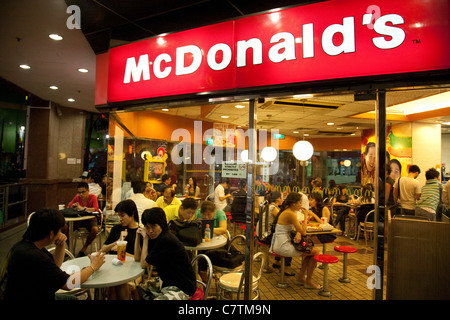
[305, 245]
[188, 232]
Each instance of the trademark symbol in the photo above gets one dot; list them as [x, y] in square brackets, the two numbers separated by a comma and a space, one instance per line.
[416, 41]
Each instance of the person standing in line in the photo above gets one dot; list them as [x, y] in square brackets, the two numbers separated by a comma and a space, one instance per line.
[409, 191]
[430, 196]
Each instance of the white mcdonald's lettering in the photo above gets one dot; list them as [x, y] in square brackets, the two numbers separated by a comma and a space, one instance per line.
[283, 46]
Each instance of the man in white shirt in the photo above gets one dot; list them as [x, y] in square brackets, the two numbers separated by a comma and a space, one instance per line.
[409, 191]
[141, 201]
[93, 180]
[220, 198]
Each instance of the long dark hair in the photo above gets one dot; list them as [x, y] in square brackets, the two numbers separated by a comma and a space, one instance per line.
[155, 215]
[291, 198]
[319, 203]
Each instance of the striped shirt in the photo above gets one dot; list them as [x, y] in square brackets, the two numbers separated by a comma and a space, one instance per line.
[430, 196]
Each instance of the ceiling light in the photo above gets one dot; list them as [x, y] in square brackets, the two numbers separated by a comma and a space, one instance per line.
[306, 135]
[303, 150]
[446, 123]
[269, 154]
[295, 132]
[53, 87]
[225, 117]
[25, 66]
[71, 100]
[330, 123]
[55, 37]
[239, 106]
[83, 70]
[165, 109]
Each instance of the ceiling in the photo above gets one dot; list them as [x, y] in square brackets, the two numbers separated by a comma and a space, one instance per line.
[26, 25]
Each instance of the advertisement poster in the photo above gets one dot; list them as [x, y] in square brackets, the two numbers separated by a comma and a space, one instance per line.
[398, 152]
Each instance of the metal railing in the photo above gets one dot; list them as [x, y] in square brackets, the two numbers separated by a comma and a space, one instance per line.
[13, 204]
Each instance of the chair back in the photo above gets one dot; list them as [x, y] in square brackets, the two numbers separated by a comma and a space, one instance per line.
[369, 217]
[256, 256]
[67, 252]
[205, 286]
[363, 210]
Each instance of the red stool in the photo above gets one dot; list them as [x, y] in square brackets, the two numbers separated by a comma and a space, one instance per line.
[345, 250]
[281, 284]
[326, 260]
[324, 251]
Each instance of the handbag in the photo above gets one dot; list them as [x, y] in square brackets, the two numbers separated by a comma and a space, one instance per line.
[188, 232]
[226, 258]
[305, 245]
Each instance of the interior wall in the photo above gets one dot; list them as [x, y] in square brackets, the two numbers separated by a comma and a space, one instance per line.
[426, 147]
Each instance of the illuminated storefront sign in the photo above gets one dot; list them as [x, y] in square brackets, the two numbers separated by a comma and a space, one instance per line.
[322, 41]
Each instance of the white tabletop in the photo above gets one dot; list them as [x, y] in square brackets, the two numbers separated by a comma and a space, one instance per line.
[108, 275]
[217, 241]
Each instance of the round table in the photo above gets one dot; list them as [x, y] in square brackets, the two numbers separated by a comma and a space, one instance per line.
[108, 275]
[217, 241]
[70, 222]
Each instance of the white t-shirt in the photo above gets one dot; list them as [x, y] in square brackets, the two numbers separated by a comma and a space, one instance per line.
[95, 189]
[219, 192]
[142, 203]
[409, 189]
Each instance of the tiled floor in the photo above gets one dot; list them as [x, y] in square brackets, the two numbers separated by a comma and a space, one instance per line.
[357, 289]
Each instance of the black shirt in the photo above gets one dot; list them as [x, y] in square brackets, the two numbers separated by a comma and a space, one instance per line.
[32, 274]
[114, 235]
[169, 257]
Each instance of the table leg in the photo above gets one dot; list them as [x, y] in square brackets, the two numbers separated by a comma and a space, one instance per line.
[71, 240]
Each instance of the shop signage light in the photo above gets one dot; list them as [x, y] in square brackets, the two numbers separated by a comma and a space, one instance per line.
[327, 40]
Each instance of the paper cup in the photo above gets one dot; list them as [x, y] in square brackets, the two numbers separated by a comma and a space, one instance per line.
[61, 206]
[324, 220]
[121, 250]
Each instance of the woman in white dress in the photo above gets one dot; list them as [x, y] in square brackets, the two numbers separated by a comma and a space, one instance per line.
[281, 241]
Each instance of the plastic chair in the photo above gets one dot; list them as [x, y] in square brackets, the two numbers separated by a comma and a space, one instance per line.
[202, 293]
[233, 282]
[75, 291]
[366, 227]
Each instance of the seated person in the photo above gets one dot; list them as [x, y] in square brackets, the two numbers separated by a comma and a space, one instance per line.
[239, 204]
[126, 230]
[319, 210]
[183, 212]
[141, 201]
[208, 211]
[163, 250]
[341, 198]
[192, 189]
[168, 198]
[84, 201]
[32, 273]
[150, 192]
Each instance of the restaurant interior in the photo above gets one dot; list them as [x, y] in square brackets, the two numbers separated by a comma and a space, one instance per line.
[338, 119]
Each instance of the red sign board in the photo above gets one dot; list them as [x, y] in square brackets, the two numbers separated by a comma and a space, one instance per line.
[323, 41]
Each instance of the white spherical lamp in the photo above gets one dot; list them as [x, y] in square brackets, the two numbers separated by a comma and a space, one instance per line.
[303, 150]
[244, 155]
[269, 154]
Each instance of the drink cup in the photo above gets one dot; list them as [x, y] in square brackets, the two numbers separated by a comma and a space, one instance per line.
[121, 250]
[61, 206]
[324, 220]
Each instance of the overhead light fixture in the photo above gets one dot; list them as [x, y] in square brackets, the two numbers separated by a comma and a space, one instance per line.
[295, 132]
[25, 66]
[165, 109]
[330, 124]
[239, 106]
[71, 100]
[55, 37]
[224, 117]
[269, 154]
[446, 123]
[303, 150]
[244, 155]
[53, 87]
[83, 70]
